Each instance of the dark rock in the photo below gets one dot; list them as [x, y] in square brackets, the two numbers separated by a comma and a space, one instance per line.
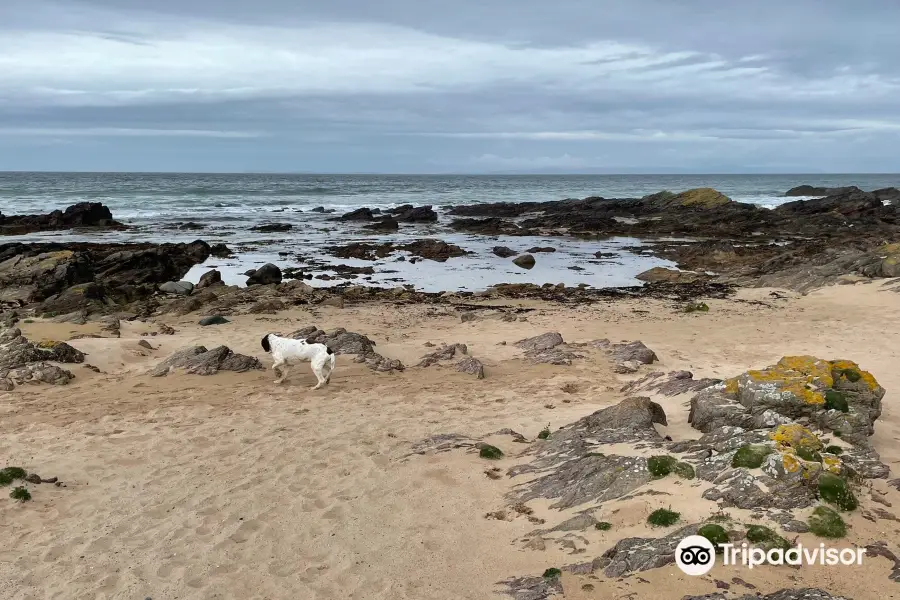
[571, 468]
[360, 214]
[385, 224]
[145, 344]
[342, 341]
[197, 360]
[670, 275]
[419, 214]
[33, 478]
[504, 252]
[213, 320]
[210, 278]
[669, 384]
[808, 190]
[445, 352]
[220, 251]
[545, 341]
[436, 250]
[537, 249]
[115, 273]
[526, 261]
[265, 275]
[179, 288]
[272, 227]
[471, 366]
[83, 214]
[633, 555]
[322, 210]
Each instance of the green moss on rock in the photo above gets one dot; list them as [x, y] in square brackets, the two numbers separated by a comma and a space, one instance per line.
[715, 534]
[663, 517]
[661, 465]
[765, 537]
[684, 470]
[603, 526]
[827, 523]
[836, 450]
[834, 490]
[552, 573]
[835, 400]
[750, 456]
[490, 452]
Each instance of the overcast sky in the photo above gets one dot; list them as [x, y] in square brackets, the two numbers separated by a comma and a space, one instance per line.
[430, 86]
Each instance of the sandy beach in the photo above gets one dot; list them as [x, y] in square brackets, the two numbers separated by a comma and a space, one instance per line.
[228, 486]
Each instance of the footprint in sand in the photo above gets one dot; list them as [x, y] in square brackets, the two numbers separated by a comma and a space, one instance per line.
[247, 530]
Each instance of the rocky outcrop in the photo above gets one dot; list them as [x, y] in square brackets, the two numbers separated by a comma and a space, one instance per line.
[417, 214]
[574, 468]
[197, 360]
[23, 362]
[809, 190]
[836, 395]
[431, 249]
[68, 277]
[83, 214]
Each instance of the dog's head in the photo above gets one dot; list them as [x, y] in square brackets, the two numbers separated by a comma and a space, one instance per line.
[265, 343]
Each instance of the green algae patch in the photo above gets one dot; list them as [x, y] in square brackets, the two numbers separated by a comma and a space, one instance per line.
[750, 456]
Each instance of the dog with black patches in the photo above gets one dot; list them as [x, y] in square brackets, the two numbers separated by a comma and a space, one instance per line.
[287, 352]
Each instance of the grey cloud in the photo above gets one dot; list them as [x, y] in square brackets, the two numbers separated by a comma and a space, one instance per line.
[692, 85]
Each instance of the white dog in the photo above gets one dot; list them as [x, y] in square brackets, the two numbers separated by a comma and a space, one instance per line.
[287, 352]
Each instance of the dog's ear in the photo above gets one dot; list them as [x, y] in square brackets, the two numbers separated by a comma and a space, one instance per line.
[265, 343]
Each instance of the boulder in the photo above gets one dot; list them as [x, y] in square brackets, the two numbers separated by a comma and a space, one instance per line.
[419, 214]
[210, 278]
[525, 261]
[342, 341]
[538, 249]
[265, 275]
[178, 288]
[360, 214]
[504, 252]
[472, 366]
[197, 360]
[663, 274]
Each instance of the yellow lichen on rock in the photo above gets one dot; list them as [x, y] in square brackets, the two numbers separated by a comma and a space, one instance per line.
[797, 437]
[831, 463]
[840, 367]
[731, 386]
[806, 377]
[702, 198]
[48, 344]
[791, 463]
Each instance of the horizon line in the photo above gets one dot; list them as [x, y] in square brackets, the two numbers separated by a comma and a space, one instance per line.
[446, 173]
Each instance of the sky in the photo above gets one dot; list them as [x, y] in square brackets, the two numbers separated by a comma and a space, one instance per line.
[468, 86]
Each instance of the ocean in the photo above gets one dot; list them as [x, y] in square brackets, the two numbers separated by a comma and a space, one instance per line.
[228, 205]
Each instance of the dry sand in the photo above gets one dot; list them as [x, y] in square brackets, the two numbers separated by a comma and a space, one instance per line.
[228, 486]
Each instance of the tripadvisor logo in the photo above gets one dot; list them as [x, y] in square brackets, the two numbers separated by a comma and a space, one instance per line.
[696, 555]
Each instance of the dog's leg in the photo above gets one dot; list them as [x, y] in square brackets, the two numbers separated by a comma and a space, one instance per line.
[278, 367]
[284, 371]
[318, 371]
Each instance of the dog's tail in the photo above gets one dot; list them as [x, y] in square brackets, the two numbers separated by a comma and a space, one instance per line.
[265, 343]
